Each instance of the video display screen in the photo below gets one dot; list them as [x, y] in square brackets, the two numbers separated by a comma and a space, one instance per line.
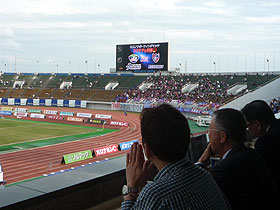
[142, 57]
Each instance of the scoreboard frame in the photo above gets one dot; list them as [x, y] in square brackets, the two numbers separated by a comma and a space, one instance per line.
[144, 57]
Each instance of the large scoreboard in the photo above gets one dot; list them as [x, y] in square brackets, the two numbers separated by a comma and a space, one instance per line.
[142, 57]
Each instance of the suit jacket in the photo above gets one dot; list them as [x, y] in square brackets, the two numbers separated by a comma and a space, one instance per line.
[268, 146]
[245, 180]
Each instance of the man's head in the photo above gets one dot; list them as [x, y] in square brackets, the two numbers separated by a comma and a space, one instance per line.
[227, 129]
[166, 132]
[258, 117]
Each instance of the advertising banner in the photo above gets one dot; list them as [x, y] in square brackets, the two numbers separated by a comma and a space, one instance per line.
[50, 112]
[21, 114]
[36, 102]
[87, 115]
[35, 115]
[105, 150]
[59, 102]
[142, 57]
[4, 112]
[126, 145]
[71, 103]
[35, 110]
[23, 101]
[116, 106]
[67, 113]
[48, 102]
[75, 119]
[20, 110]
[96, 121]
[83, 104]
[7, 108]
[103, 116]
[75, 157]
[55, 117]
[11, 101]
[119, 123]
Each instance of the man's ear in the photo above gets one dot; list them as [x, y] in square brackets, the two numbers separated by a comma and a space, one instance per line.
[223, 136]
[258, 125]
[147, 150]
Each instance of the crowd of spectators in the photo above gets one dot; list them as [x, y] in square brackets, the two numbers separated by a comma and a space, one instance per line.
[169, 88]
[275, 105]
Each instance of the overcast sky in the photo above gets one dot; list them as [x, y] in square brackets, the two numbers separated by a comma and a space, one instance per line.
[60, 35]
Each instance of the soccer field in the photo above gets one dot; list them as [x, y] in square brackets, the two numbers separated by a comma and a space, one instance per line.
[28, 134]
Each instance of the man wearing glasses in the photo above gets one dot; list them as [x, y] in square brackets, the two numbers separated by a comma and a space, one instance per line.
[262, 124]
[241, 174]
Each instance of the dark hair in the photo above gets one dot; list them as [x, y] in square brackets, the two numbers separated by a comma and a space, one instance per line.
[232, 122]
[258, 110]
[166, 131]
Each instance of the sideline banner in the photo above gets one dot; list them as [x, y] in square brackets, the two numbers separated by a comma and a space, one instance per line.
[75, 119]
[96, 121]
[35, 115]
[67, 113]
[4, 112]
[127, 107]
[7, 108]
[126, 145]
[21, 114]
[50, 112]
[54, 117]
[20, 110]
[75, 157]
[87, 115]
[35, 110]
[119, 123]
[105, 150]
[103, 116]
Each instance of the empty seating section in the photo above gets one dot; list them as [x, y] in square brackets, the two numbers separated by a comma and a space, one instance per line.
[15, 93]
[101, 95]
[131, 82]
[84, 81]
[45, 93]
[59, 94]
[56, 80]
[30, 93]
[3, 92]
[74, 94]
[7, 80]
[88, 94]
[38, 80]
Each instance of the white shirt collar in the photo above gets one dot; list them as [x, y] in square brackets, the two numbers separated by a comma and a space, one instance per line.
[225, 155]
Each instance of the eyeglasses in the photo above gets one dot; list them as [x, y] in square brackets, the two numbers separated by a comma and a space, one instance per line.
[213, 130]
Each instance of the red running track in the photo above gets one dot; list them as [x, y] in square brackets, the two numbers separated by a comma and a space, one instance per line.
[26, 164]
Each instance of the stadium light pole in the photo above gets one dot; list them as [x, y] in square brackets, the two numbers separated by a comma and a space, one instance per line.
[267, 60]
[214, 67]
[180, 67]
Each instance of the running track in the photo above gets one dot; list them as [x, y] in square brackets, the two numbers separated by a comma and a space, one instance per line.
[27, 164]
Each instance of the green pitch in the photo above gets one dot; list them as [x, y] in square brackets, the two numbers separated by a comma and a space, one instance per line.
[23, 134]
[194, 128]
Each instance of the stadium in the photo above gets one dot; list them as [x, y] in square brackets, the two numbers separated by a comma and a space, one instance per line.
[66, 128]
[54, 124]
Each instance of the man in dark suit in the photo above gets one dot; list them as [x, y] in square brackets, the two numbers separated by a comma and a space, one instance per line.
[262, 123]
[241, 174]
